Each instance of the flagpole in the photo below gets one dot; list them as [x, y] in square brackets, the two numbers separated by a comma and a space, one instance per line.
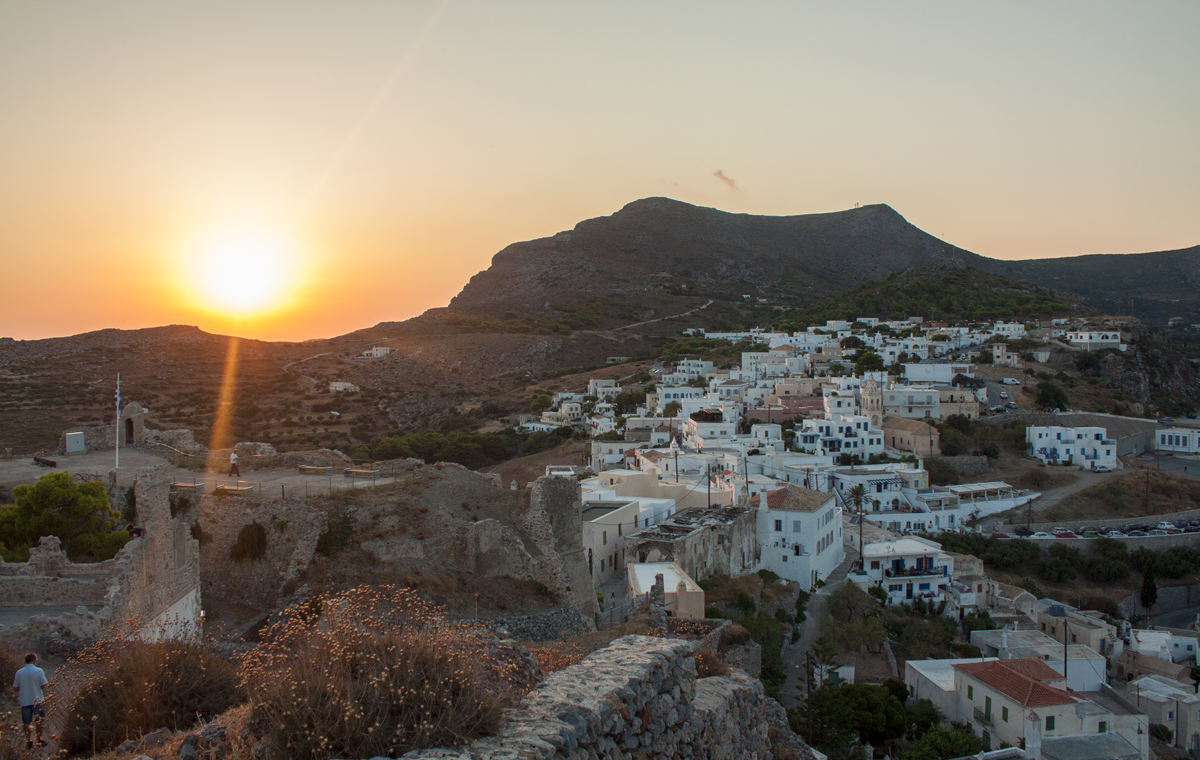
[117, 426]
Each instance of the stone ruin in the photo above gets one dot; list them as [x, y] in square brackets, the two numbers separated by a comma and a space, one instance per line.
[150, 590]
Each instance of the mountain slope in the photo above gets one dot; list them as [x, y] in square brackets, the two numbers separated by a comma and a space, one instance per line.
[673, 256]
[943, 291]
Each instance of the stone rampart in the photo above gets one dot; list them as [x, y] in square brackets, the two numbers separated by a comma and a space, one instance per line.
[555, 624]
[555, 523]
[292, 529]
[638, 698]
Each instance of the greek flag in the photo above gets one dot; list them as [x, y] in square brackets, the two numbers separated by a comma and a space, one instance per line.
[118, 398]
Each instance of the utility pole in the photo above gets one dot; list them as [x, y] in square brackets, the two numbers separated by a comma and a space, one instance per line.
[1065, 640]
[708, 480]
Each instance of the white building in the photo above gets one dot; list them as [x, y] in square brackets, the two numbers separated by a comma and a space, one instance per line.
[605, 524]
[941, 374]
[1096, 340]
[907, 569]
[1178, 440]
[1009, 329]
[1089, 447]
[841, 434]
[376, 352]
[603, 388]
[338, 386]
[800, 534]
[912, 402]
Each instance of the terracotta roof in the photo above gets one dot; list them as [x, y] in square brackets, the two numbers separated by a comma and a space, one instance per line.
[652, 456]
[1022, 679]
[912, 426]
[793, 498]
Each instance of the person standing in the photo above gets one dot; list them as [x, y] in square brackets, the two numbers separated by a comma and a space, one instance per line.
[233, 465]
[28, 682]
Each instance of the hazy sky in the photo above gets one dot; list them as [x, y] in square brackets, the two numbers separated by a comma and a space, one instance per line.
[391, 148]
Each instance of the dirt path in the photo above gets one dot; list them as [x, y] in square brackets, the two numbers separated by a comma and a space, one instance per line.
[313, 380]
[673, 316]
[1045, 501]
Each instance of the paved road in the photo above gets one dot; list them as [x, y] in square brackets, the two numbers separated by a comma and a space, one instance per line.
[1049, 498]
[1189, 468]
[1177, 619]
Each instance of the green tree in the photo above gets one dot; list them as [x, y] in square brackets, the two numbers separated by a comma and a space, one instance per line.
[985, 357]
[919, 717]
[1149, 593]
[1051, 396]
[868, 362]
[672, 409]
[627, 402]
[940, 743]
[78, 513]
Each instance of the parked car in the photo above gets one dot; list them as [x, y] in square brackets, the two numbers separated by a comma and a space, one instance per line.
[1041, 534]
[1138, 533]
[1166, 419]
[1010, 404]
[1022, 530]
[1164, 526]
[1066, 534]
[1115, 534]
[1102, 469]
[997, 410]
[1010, 381]
[1158, 532]
[1090, 534]
[1190, 415]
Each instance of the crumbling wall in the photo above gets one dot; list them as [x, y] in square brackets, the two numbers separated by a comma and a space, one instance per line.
[554, 521]
[639, 697]
[292, 528]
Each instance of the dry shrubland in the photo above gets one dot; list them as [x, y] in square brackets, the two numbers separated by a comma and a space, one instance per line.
[377, 671]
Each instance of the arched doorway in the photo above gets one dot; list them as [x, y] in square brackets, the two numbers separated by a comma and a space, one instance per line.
[128, 431]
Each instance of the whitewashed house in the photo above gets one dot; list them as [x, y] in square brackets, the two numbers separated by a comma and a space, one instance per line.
[1088, 447]
[376, 352]
[907, 569]
[338, 386]
[800, 532]
[840, 434]
[1096, 340]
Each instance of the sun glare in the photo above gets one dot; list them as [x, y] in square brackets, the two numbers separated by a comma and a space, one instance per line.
[242, 274]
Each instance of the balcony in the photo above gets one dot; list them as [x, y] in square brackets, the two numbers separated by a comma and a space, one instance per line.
[984, 718]
[912, 572]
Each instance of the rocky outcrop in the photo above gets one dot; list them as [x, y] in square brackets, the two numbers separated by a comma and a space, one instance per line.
[637, 698]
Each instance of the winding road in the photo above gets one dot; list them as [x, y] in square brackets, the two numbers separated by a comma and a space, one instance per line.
[660, 319]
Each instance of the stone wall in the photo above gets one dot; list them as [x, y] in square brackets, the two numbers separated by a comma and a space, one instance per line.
[1170, 599]
[1118, 522]
[292, 527]
[640, 698]
[556, 624]
[554, 521]
[151, 579]
[966, 465]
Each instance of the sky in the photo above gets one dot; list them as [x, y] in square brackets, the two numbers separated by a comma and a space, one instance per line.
[290, 170]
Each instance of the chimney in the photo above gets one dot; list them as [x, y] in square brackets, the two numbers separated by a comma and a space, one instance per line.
[1004, 644]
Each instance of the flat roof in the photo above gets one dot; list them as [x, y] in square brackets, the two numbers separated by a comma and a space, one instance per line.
[1110, 746]
[642, 574]
[1161, 690]
[900, 546]
[941, 672]
[973, 487]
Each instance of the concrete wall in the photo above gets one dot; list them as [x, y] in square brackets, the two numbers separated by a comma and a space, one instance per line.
[1120, 522]
[638, 697]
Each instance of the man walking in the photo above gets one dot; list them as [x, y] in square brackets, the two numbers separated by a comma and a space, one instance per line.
[28, 682]
[233, 467]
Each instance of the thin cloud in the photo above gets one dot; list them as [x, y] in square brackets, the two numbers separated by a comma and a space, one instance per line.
[729, 181]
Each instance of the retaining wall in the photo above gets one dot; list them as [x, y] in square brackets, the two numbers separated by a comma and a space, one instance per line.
[1157, 543]
[966, 465]
[639, 698]
[1118, 522]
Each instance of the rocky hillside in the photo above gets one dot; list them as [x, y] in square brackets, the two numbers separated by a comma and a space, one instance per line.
[666, 255]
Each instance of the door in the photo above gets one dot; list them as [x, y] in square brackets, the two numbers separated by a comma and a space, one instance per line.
[908, 592]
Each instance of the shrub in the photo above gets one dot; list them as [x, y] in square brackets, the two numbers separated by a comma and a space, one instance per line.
[744, 603]
[1056, 570]
[58, 506]
[377, 672]
[337, 534]
[143, 687]
[1161, 733]
[1110, 548]
[709, 663]
[251, 543]
[1100, 568]
[768, 576]
[1065, 553]
[802, 606]
[129, 514]
[1030, 585]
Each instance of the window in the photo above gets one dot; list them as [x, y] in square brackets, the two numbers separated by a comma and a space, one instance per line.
[1102, 728]
[987, 707]
[779, 526]
[1170, 715]
[605, 538]
[619, 529]
[785, 558]
[970, 692]
[1049, 722]
[874, 564]
[1004, 714]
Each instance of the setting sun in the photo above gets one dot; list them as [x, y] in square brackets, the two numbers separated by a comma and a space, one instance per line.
[243, 274]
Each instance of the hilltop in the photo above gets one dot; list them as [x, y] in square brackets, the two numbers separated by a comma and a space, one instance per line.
[660, 256]
[942, 291]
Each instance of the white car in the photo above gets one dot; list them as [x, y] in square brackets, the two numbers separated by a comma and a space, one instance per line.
[1010, 381]
[1164, 526]
[1041, 534]
[1115, 534]
[1003, 394]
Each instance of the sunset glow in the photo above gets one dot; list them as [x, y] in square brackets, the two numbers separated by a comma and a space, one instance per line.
[242, 274]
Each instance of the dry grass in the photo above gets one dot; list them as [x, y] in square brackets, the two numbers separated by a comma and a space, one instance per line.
[1131, 494]
[1044, 479]
[137, 688]
[709, 663]
[556, 655]
[375, 672]
[779, 591]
